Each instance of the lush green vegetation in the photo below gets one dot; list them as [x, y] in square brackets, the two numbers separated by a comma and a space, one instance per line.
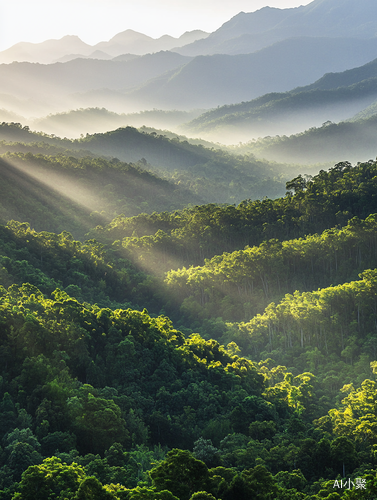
[105, 392]
[187, 237]
[251, 376]
[209, 174]
[58, 192]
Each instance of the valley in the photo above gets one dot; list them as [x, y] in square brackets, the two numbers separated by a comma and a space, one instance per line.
[188, 261]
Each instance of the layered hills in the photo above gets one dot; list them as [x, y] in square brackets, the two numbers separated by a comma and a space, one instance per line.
[211, 175]
[71, 47]
[299, 47]
[183, 320]
[333, 96]
[248, 32]
[168, 80]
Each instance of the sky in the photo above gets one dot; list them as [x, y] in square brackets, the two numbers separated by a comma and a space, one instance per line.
[99, 20]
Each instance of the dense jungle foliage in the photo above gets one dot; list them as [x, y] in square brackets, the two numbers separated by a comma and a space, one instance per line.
[218, 352]
[187, 237]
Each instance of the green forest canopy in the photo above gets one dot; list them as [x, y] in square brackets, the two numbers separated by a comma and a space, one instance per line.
[275, 397]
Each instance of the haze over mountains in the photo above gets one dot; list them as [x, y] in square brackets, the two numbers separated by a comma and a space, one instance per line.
[71, 47]
[253, 54]
[264, 245]
[248, 32]
[335, 96]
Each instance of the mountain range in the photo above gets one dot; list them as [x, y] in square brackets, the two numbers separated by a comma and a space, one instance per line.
[72, 47]
[328, 42]
[334, 97]
[167, 80]
[248, 32]
[270, 50]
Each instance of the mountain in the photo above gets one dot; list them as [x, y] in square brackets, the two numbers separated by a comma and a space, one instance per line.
[353, 140]
[335, 97]
[70, 46]
[136, 43]
[45, 52]
[74, 192]
[209, 174]
[285, 113]
[248, 32]
[304, 51]
[97, 54]
[256, 25]
[39, 84]
[93, 120]
[209, 81]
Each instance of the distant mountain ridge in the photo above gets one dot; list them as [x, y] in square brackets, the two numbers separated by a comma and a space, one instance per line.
[209, 81]
[296, 47]
[40, 84]
[71, 46]
[248, 32]
[335, 97]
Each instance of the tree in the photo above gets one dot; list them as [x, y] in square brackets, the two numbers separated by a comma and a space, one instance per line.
[52, 479]
[180, 473]
[91, 489]
[202, 495]
[99, 423]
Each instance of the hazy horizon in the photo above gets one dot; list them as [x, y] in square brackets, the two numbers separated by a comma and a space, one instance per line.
[95, 20]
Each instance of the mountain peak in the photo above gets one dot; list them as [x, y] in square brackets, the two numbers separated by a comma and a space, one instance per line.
[129, 36]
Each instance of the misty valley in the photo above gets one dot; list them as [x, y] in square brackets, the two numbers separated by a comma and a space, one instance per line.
[188, 262]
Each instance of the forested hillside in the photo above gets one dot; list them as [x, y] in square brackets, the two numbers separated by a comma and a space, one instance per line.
[92, 120]
[100, 397]
[56, 192]
[311, 205]
[350, 139]
[278, 113]
[207, 174]
[182, 318]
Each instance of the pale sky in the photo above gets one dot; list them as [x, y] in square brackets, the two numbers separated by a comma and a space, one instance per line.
[98, 20]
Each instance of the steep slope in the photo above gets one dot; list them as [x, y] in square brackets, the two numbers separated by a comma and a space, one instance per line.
[248, 32]
[219, 79]
[333, 97]
[330, 81]
[284, 113]
[56, 193]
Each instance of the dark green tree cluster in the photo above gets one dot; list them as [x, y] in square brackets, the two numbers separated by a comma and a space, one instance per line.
[241, 284]
[90, 394]
[187, 237]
